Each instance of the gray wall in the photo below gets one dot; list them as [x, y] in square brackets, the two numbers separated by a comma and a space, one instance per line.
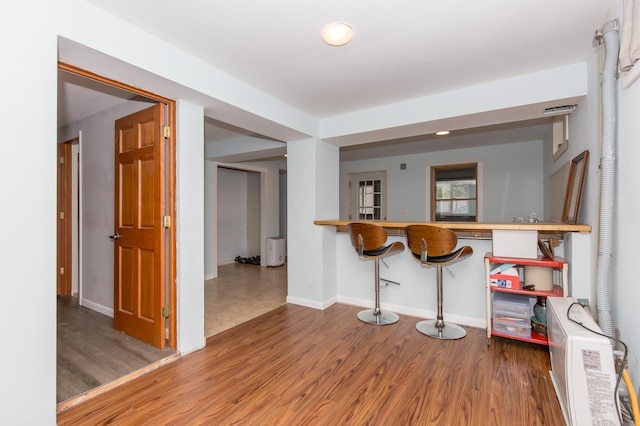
[253, 213]
[511, 184]
[269, 177]
[97, 202]
[238, 214]
[232, 214]
[283, 207]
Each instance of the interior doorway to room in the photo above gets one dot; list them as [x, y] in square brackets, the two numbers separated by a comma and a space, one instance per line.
[367, 195]
[84, 354]
[239, 225]
[67, 215]
[242, 291]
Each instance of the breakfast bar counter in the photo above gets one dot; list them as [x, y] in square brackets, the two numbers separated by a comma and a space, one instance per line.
[347, 279]
[471, 229]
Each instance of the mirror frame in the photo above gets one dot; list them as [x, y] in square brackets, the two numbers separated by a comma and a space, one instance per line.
[575, 186]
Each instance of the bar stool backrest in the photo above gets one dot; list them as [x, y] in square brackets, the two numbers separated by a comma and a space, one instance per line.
[438, 241]
[367, 236]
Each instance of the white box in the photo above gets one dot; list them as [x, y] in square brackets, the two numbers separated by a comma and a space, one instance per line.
[515, 243]
[275, 251]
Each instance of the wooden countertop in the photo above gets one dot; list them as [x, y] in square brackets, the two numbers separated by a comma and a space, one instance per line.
[471, 229]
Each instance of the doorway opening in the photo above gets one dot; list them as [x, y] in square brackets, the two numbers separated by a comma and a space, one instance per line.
[367, 195]
[88, 306]
[239, 291]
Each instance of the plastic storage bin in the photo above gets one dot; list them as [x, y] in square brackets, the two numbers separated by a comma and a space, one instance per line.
[510, 318]
[512, 304]
[512, 328]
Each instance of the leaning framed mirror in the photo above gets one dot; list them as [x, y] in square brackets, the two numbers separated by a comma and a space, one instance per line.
[575, 185]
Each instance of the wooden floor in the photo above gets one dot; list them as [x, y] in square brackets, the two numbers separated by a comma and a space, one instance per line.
[297, 365]
[92, 356]
[90, 353]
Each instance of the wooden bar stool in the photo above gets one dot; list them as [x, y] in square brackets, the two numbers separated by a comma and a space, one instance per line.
[434, 246]
[369, 241]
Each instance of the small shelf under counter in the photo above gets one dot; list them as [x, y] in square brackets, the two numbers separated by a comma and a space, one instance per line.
[519, 331]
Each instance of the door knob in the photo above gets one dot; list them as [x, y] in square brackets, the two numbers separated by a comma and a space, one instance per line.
[114, 236]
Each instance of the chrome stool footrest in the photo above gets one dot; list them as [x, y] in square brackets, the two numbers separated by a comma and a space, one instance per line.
[386, 281]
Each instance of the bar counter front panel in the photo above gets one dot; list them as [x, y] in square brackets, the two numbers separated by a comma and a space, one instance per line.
[464, 293]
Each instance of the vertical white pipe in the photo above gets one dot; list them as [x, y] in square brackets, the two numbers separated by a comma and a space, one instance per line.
[607, 188]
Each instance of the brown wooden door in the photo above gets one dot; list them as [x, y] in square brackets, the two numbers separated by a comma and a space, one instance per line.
[64, 214]
[139, 237]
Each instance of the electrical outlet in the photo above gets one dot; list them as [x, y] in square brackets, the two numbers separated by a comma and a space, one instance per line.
[403, 213]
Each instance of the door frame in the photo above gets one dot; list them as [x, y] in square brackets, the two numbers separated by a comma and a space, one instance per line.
[170, 185]
[347, 190]
[64, 218]
[263, 210]
[72, 232]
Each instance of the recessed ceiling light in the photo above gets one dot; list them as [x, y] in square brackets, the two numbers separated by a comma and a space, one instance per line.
[337, 34]
[442, 133]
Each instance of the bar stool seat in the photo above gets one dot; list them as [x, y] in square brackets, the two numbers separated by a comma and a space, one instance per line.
[369, 241]
[435, 246]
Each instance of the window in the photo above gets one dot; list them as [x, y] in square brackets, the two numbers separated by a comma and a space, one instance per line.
[367, 196]
[453, 193]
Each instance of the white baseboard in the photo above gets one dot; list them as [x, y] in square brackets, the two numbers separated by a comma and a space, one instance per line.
[311, 303]
[97, 307]
[210, 277]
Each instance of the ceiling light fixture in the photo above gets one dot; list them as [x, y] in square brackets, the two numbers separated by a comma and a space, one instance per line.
[337, 34]
[442, 133]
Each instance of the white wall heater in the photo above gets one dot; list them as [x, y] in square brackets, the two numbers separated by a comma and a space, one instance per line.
[582, 365]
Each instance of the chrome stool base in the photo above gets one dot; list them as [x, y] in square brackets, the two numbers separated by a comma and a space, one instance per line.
[441, 330]
[378, 317]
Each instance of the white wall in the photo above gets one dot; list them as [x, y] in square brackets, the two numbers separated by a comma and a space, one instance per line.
[28, 191]
[283, 207]
[312, 193]
[210, 229]
[253, 213]
[238, 214]
[190, 226]
[232, 215]
[627, 233]
[269, 208]
[97, 193]
[511, 183]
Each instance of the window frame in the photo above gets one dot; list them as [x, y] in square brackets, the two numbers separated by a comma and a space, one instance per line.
[433, 190]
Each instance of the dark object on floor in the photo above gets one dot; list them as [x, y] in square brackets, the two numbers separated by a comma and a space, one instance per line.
[255, 260]
[539, 327]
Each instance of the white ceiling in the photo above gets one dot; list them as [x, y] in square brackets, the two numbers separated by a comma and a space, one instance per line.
[401, 50]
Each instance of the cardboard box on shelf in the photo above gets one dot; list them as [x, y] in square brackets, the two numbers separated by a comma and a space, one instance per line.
[515, 243]
[505, 281]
